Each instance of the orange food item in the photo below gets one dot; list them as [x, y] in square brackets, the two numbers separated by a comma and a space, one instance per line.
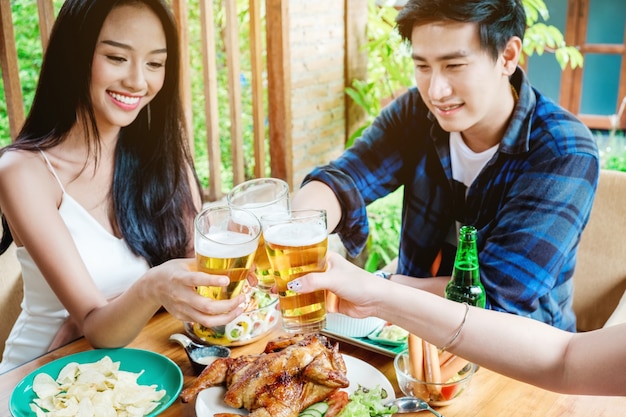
[416, 361]
[432, 371]
[451, 367]
[337, 401]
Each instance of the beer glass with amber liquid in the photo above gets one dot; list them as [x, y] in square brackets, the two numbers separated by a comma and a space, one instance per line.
[226, 240]
[261, 196]
[296, 244]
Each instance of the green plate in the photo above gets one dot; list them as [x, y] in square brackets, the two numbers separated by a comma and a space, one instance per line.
[366, 343]
[158, 370]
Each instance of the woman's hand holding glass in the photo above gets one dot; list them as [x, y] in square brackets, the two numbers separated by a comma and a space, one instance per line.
[225, 243]
[351, 290]
[175, 286]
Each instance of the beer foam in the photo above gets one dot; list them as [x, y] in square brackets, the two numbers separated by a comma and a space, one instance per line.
[263, 209]
[247, 218]
[226, 244]
[295, 234]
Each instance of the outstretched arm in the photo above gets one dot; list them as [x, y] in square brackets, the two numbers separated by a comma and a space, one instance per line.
[525, 349]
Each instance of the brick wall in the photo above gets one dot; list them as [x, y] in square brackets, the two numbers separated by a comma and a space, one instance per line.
[317, 49]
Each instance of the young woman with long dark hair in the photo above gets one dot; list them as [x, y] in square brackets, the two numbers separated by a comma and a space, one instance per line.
[99, 191]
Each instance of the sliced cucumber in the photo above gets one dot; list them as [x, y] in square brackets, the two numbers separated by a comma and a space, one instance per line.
[315, 410]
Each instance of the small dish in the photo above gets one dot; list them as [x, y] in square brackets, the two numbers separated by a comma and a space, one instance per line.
[199, 355]
[373, 343]
[384, 341]
[352, 327]
[400, 337]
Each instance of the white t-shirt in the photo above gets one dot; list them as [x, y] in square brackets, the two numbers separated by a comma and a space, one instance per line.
[466, 165]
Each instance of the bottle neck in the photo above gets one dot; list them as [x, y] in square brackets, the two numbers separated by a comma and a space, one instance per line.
[466, 270]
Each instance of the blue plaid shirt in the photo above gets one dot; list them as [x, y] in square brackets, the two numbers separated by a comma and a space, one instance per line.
[530, 202]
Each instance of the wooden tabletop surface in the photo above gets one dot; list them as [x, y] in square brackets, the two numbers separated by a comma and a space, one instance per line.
[489, 394]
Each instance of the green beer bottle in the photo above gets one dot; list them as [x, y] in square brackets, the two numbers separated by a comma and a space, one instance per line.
[465, 285]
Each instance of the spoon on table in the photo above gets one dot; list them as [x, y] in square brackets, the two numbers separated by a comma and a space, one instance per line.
[411, 405]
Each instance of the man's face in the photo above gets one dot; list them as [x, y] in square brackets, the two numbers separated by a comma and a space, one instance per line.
[459, 82]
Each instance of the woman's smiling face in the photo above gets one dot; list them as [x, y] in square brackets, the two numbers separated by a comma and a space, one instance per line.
[128, 67]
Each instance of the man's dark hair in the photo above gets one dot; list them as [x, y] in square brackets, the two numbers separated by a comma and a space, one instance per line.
[497, 20]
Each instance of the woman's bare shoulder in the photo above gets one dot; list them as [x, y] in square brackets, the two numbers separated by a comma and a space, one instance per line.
[24, 170]
[15, 160]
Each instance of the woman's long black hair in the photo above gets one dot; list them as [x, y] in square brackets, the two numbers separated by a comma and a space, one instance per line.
[151, 194]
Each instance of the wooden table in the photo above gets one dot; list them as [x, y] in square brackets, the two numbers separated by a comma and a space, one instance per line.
[490, 394]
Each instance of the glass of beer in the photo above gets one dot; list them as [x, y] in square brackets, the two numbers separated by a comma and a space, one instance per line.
[226, 240]
[261, 196]
[296, 244]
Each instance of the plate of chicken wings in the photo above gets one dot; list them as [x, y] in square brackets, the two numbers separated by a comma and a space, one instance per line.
[323, 373]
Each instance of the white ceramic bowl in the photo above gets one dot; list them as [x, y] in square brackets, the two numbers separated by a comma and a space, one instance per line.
[351, 327]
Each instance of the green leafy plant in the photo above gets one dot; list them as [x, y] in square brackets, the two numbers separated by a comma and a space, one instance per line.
[540, 37]
[384, 238]
[28, 46]
[612, 149]
[389, 65]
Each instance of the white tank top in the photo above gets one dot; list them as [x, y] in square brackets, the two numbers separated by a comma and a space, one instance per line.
[111, 265]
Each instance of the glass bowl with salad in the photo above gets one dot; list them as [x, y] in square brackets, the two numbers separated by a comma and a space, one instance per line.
[259, 317]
